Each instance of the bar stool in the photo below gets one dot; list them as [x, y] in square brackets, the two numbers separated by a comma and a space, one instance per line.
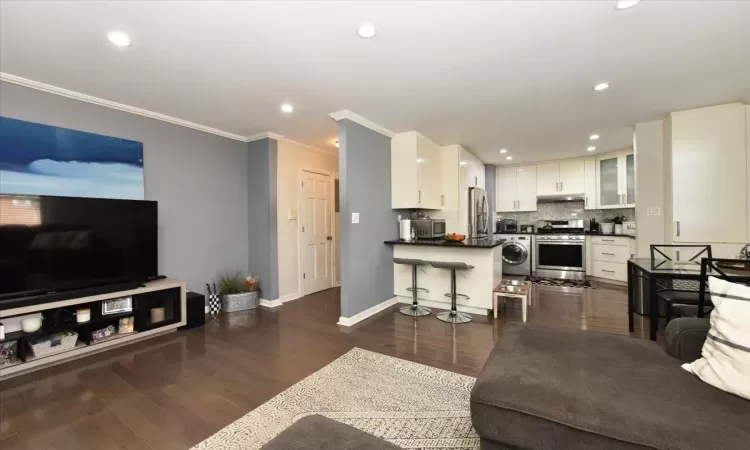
[414, 309]
[453, 316]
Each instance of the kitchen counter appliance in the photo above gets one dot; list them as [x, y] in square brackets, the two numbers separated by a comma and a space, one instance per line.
[479, 213]
[527, 229]
[428, 228]
[560, 249]
[515, 254]
[506, 226]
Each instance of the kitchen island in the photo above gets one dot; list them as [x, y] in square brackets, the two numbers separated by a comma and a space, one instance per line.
[477, 283]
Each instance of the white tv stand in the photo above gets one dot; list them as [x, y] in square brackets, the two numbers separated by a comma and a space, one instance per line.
[143, 297]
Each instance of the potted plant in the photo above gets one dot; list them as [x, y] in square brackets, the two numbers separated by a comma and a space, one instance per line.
[618, 220]
[238, 293]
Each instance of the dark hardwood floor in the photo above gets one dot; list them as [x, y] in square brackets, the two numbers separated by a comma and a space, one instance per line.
[176, 390]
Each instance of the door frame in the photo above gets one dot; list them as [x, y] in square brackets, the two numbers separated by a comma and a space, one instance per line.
[332, 216]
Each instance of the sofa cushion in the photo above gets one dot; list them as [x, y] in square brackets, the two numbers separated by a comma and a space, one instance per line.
[321, 433]
[551, 388]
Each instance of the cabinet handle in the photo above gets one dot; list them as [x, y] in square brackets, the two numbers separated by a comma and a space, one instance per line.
[678, 228]
[419, 199]
[610, 271]
[476, 182]
[608, 254]
[608, 240]
[585, 201]
[561, 186]
[442, 200]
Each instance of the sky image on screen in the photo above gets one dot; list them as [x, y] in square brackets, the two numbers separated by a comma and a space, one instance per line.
[37, 159]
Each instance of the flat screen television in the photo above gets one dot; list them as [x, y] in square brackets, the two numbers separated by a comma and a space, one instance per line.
[50, 245]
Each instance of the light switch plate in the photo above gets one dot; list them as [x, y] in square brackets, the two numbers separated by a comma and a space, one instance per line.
[653, 211]
[292, 214]
[355, 217]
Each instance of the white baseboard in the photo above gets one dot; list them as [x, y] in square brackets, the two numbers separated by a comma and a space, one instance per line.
[349, 321]
[445, 306]
[290, 297]
[270, 303]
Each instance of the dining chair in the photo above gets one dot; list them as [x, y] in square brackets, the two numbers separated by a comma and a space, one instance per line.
[679, 292]
[732, 270]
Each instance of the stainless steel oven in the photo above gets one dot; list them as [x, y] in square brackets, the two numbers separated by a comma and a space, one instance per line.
[560, 256]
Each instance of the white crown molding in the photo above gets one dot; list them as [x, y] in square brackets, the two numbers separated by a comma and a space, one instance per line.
[264, 135]
[114, 105]
[365, 122]
[310, 147]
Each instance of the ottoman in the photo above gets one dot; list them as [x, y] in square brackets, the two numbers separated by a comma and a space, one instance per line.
[547, 388]
[317, 433]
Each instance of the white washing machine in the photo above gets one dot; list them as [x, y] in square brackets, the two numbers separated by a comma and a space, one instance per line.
[516, 254]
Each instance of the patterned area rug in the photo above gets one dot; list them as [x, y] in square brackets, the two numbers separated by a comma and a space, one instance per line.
[409, 404]
[544, 281]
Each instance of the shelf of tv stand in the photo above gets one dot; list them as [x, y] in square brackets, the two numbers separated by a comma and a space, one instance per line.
[82, 349]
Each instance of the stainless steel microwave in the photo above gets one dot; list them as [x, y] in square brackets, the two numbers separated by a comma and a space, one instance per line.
[428, 228]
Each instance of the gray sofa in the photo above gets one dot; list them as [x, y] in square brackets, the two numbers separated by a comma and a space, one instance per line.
[546, 388]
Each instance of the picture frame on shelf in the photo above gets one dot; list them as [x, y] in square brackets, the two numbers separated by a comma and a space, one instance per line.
[126, 325]
[102, 334]
[117, 305]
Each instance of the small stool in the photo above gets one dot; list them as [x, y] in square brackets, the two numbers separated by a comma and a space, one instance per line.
[453, 316]
[512, 289]
[414, 310]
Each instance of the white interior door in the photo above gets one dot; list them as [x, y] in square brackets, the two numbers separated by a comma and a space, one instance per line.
[315, 234]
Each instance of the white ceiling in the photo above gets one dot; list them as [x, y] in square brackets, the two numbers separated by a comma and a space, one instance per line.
[515, 74]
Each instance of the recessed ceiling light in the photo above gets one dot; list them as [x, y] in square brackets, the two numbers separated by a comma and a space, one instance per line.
[625, 4]
[508, 158]
[594, 137]
[119, 38]
[591, 148]
[420, 160]
[601, 86]
[286, 108]
[367, 30]
[503, 150]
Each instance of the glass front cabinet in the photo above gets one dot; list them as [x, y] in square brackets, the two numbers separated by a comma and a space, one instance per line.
[616, 180]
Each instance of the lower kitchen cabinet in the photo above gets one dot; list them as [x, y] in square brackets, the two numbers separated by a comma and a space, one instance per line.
[608, 256]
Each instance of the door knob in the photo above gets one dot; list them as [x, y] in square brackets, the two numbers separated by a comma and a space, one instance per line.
[329, 238]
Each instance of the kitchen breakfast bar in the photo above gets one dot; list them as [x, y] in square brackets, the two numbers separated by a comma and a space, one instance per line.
[473, 285]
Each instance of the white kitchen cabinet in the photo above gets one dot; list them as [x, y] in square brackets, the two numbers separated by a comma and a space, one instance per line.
[615, 176]
[589, 184]
[547, 179]
[475, 169]
[709, 175]
[416, 172]
[608, 256]
[460, 171]
[572, 177]
[516, 189]
[560, 178]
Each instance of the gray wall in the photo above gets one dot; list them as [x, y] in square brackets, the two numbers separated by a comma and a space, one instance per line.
[199, 180]
[262, 238]
[365, 187]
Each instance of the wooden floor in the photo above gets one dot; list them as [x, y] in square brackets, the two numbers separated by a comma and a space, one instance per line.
[178, 389]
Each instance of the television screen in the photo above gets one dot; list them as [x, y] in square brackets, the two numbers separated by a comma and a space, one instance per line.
[50, 244]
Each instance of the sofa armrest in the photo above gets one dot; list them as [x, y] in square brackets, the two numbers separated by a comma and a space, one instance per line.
[685, 336]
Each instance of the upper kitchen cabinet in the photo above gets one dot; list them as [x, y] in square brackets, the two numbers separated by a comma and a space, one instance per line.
[474, 169]
[709, 174]
[416, 172]
[589, 184]
[616, 180]
[515, 189]
[560, 178]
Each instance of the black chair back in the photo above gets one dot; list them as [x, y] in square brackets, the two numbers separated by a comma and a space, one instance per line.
[703, 251]
[733, 270]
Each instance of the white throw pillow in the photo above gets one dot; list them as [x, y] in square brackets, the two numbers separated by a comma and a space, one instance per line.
[725, 361]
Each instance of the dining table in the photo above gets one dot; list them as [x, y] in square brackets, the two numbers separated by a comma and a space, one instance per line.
[654, 271]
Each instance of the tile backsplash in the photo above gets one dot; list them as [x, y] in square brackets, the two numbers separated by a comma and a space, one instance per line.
[566, 210]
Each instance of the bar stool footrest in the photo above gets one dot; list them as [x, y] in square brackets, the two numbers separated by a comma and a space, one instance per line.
[418, 289]
[449, 295]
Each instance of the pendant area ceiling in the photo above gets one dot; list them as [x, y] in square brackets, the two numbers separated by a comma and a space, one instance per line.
[488, 75]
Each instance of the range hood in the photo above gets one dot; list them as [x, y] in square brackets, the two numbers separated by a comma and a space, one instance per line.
[560, 198]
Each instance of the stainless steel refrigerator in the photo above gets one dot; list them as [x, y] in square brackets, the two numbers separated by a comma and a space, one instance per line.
[479, 213]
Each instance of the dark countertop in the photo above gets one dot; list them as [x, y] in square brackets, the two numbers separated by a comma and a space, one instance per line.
[588, 233]
[490, 242]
